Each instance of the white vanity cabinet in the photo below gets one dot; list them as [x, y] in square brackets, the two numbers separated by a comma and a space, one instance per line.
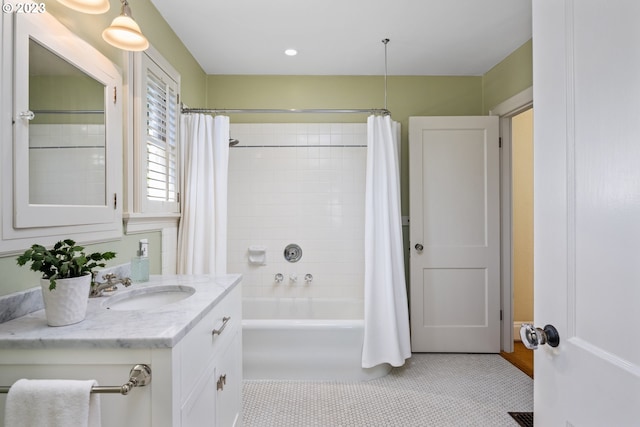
[221, 382]
[211, 368]
[195, 382]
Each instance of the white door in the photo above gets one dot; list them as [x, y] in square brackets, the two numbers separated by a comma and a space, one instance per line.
[587, 211]
[454, 234]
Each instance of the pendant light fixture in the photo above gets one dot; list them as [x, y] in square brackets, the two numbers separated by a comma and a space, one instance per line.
[124, 33]
[87, 6]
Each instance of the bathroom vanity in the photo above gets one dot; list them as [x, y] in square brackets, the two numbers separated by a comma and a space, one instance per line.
[186, 328]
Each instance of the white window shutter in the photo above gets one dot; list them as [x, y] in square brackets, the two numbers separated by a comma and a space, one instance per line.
[157, 143]
[161, 139]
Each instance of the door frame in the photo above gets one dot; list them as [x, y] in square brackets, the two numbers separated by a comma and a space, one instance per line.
[506, 110]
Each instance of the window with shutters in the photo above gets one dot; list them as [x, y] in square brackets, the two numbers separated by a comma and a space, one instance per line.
[156, 154]
[161, 137]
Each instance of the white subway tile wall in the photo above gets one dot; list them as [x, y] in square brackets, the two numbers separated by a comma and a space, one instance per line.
[299, 183]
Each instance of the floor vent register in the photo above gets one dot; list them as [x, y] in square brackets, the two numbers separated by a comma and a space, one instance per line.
[525, 419]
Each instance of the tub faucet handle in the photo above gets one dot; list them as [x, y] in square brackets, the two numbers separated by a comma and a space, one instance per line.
[308, 278]
[279, 278]
[293, 277]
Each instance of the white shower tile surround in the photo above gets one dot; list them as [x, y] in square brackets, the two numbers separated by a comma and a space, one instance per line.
[298, 183]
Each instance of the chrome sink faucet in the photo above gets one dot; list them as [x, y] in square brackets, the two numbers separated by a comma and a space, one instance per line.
[110, 285]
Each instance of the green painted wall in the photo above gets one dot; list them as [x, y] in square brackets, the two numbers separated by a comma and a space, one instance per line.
[406, 96]
[509, 77]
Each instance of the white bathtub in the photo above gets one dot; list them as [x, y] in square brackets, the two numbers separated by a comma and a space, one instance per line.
[304, 339]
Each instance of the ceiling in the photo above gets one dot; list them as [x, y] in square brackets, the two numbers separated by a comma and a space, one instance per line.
[344, 37]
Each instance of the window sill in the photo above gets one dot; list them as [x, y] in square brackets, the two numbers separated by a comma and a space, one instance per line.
[144, 222]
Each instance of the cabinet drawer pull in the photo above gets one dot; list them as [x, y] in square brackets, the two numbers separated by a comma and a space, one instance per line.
[225, 320]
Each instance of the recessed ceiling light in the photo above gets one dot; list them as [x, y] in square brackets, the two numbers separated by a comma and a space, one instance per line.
[291, 52]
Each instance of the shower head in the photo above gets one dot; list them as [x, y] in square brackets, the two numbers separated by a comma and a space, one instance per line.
[233, 142]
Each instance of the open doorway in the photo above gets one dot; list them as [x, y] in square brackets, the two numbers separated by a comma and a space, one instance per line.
[521, 234]
[517, 112]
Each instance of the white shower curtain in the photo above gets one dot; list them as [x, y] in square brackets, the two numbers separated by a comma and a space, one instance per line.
[202, 235]
[386, 314]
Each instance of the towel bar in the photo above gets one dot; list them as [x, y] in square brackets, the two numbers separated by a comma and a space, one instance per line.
[139, 376]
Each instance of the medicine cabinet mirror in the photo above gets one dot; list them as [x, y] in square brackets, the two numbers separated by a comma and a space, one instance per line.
[67, 132]
[67, 141]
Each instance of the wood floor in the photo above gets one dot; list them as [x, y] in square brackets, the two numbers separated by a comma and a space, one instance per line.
[521, 358]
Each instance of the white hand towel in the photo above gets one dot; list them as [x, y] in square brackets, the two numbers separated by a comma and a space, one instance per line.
[52, 403]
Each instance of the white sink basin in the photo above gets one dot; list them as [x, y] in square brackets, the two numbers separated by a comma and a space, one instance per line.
[148, 298]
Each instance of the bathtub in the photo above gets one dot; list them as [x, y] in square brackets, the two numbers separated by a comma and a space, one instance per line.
[304, 339]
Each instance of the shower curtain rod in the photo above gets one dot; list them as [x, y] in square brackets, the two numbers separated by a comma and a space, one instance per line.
[382, 111]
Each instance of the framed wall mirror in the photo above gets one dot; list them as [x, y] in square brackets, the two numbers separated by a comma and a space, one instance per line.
[67, 134]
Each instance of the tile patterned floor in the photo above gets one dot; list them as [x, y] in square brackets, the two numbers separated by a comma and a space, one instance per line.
[430, 390]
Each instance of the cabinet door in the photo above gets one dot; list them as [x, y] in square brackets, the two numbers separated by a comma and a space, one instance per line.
[200, 408]
[62, 157]
[229, 396]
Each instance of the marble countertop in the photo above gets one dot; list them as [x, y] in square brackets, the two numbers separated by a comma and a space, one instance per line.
[102, 328]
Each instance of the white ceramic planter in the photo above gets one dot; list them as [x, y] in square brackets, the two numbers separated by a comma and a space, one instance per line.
[67, 303]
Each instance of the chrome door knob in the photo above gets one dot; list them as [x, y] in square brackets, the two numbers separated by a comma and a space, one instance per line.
[532, 337]
[419, 247]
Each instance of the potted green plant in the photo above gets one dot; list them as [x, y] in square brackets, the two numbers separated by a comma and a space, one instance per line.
[66, 278]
